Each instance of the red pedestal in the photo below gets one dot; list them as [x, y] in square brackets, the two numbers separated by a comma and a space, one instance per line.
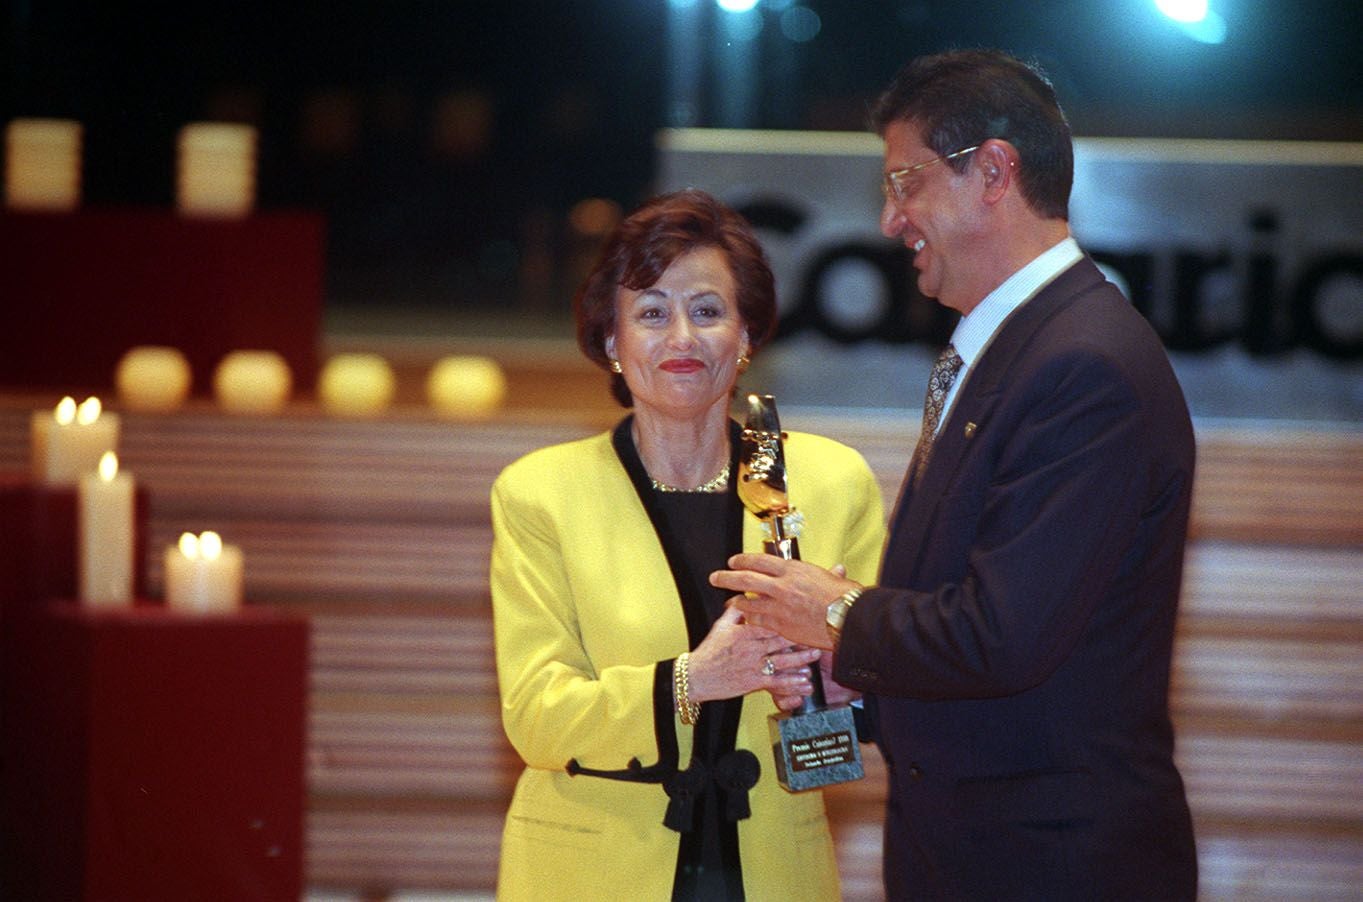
[79, 289]
[38, 544]
[153, 756]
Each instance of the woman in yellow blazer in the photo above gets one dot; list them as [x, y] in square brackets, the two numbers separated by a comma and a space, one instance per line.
[638, 702]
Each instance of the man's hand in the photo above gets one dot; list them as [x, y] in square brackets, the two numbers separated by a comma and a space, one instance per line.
[790, 597]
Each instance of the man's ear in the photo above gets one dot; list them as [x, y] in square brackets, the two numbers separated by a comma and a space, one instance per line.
[998, 161]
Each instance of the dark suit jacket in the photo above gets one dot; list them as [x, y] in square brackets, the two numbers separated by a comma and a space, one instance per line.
[1016, 653]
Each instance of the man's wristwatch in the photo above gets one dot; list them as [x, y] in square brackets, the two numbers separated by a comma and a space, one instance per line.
[837, 613]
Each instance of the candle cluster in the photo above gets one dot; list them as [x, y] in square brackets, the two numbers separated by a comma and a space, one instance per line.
[74, 445]
[157, 379]
[459, 387]
[203, 576]
[70, 440]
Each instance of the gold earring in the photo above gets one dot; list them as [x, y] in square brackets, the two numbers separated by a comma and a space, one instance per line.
[615, 366]
[743, 363]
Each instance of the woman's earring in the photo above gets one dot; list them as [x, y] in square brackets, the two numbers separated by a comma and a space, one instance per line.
[743, 362]
[615, 366]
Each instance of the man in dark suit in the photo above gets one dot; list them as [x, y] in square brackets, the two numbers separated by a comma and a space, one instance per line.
[1015, 656]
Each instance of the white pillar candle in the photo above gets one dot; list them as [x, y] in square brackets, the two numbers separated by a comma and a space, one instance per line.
[42, 164]
[253, 382]
[153, 378]
[69, 441]
[203, 576]
[216, 173]
[105, 506]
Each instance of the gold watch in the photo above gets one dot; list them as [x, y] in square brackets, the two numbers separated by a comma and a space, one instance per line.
[837, 613]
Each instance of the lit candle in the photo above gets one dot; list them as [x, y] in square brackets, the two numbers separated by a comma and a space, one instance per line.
[469, 388]
[253, 382]
[153, 378]
[203, 576]
[69, 442]
[105, 507]
[356, 385]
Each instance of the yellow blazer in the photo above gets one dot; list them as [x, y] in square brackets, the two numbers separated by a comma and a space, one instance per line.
[584, 606]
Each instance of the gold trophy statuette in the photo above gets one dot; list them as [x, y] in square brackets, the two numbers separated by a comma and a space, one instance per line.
[815, 745]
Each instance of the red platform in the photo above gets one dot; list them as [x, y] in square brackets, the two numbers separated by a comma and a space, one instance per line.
[153, 756]
[79, 289]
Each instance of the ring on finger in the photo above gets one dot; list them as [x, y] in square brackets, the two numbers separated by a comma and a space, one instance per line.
[768, 668]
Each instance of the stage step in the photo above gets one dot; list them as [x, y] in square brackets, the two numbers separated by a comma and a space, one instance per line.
[378, 530]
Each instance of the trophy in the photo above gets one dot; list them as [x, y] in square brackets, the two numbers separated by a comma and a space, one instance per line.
[815, 745]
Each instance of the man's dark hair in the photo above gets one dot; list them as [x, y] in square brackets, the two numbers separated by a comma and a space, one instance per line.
[965, 97]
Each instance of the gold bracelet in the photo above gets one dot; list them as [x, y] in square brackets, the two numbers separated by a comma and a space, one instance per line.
[681, 689]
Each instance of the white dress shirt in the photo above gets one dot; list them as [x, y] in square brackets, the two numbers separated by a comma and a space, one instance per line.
[977, 328]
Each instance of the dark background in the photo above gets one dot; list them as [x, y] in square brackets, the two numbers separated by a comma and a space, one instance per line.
[447, 143]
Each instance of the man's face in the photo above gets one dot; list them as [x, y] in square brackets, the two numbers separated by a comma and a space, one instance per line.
[935, 211]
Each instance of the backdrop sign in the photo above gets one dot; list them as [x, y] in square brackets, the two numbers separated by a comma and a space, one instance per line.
[1257, 245]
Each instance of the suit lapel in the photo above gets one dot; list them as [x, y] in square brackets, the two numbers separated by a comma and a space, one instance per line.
[969, 417]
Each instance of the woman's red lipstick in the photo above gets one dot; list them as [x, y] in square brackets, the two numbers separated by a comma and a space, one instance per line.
[682, 365]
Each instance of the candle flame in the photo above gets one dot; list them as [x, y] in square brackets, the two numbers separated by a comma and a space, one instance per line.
[108, 466]
[210, 545]
[65, 414]
[88, 411]
[206, 546]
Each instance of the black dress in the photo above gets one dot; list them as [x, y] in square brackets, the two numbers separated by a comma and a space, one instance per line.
[699, 531]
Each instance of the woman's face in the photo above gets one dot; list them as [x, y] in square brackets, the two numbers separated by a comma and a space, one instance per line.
[678, 341]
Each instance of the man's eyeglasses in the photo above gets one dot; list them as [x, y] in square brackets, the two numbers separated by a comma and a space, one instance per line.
[896, 184]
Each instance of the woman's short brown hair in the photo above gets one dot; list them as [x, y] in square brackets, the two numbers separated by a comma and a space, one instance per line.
[646, 243]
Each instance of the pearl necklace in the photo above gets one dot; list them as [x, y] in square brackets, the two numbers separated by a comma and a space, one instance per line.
[718, 484]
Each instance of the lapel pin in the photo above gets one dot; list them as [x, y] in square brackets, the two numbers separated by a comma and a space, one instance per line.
[970, 430]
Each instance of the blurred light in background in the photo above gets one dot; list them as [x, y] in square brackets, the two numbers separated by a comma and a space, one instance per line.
[800, 24]
[329, 124]
[1196, 19]
[594, 217]
[736, 60]
[685, 64]
[1183, 10]
[738, 63]
[462, 124]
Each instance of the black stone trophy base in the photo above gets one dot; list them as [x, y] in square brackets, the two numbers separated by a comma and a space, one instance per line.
[815, 748]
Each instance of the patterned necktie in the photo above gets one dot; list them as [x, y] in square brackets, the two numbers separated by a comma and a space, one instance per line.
[941, 379]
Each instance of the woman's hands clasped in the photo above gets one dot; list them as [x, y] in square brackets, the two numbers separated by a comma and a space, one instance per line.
[736, 658]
